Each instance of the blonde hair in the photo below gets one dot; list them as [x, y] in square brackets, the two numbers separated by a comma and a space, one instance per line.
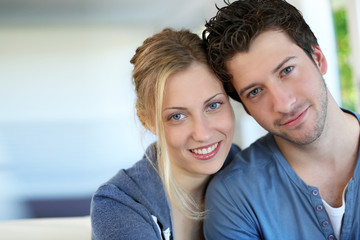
[160, 56]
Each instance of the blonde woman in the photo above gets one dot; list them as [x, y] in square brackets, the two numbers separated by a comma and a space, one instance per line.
[181, 101]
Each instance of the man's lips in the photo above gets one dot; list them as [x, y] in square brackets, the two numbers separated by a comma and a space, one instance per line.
[297, 119]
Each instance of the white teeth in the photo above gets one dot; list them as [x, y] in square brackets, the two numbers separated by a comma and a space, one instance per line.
[205, 150]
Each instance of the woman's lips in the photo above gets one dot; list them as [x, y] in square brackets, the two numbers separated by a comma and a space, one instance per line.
[207, 152]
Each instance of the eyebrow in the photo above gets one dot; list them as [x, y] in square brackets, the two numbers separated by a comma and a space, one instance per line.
[282, 63]
[210, 98]
[279, 66]
[246, 88]
[206, 102]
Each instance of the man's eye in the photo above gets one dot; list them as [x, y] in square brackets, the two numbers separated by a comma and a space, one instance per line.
[254, 92]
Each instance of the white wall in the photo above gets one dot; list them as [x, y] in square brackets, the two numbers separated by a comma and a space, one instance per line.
[353, 10]
[67, 120]
[323, 29]
[67, 115]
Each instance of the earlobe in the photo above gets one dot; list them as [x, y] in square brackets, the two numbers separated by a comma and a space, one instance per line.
[152, 129]
[319, 59]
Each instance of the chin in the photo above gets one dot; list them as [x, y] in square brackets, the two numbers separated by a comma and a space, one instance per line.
[214, 169]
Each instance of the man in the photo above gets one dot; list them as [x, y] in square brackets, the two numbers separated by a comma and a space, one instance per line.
[300, 181]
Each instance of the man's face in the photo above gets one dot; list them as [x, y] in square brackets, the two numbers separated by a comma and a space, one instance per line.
[281, 87]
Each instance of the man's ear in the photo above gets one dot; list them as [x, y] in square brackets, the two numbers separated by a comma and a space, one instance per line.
[319, 59]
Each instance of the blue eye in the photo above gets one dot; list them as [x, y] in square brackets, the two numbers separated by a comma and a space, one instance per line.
[286, 70]
[254, 92]
[177, 116]
[214, 106]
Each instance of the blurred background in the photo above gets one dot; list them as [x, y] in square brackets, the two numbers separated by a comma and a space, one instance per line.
[67, 116]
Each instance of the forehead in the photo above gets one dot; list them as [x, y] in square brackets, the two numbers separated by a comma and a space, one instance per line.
[269, 43]
[190, 85]
[266, 51]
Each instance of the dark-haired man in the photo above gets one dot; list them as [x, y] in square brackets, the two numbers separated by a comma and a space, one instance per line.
[300, 181]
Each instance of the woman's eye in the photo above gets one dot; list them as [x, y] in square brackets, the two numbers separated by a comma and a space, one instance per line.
[177, 116]
[286, 70]
[214, 106]
[254, 92]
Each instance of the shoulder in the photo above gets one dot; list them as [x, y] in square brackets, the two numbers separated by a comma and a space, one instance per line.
[253, 158]
[249, 164]
[141, 175]
[130, 202]
[357, 115]
[234, 150]
[139, 182]
[130, 181]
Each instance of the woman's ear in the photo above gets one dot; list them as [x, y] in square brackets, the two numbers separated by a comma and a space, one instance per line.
[319, 59]
[151, 128]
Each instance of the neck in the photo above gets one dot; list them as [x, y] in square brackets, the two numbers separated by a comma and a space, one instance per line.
[185, 228]
[338, 139]
[195, 186]
[333, 156]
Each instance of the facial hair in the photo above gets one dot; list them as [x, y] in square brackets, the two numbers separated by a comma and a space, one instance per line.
[315, 132]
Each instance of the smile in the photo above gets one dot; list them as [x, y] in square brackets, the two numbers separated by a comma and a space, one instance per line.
[203, 151]
[297, 120]
[206, 153]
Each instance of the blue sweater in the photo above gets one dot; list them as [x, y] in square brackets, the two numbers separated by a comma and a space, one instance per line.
[133, 204]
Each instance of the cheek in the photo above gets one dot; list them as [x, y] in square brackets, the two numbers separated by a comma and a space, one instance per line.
[174, 136]
[226, 122]
[262, 116]
[257, 109]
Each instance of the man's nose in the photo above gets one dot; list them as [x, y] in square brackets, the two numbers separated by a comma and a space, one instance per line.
[282, 98]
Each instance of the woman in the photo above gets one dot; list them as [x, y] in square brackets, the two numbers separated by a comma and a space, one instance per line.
[181, 101]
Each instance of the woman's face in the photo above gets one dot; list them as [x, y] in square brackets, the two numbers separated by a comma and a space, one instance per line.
[198, 121]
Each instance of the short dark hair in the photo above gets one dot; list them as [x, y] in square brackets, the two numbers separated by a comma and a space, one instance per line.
[237, 24]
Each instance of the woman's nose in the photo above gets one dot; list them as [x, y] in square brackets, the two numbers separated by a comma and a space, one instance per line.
[201, 129]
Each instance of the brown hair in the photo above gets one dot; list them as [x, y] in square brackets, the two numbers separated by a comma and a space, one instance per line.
[236, 25]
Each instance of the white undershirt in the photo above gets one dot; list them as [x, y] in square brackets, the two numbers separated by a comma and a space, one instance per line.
[336, 215]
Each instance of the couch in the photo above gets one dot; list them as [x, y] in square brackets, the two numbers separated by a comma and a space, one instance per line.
[65, 228]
